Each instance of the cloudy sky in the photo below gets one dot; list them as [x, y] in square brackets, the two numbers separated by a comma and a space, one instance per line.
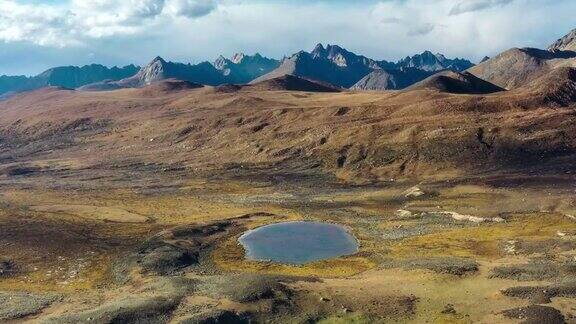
[38, 34]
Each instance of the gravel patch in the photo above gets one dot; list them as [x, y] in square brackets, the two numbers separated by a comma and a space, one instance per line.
[247, 287]
[535, 270]
[543, 294]
[536, 314]
[16, 305]
[446, 265]
[141, 310]
[217, 316]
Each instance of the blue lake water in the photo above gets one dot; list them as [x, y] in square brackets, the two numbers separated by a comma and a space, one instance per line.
[298, 242]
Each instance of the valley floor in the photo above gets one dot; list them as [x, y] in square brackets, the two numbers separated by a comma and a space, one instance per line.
[473, 250]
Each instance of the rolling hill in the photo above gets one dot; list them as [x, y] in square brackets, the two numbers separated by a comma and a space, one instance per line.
[519, 66]
[456, 82]
[391, 79]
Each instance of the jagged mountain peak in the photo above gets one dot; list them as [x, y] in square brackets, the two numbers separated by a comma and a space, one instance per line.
[566, 43]
[221, 62]
[329, 52]
[335, 49]
[158, 59]
[429, 61]
[242, 68]
[153, 71]
[238, 58]
[440, 57]
[318, 50]
[299, 54]
[344, 58]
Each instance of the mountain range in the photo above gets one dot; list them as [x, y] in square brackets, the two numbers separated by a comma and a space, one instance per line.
[340, 67]
[332, 65]
[65, 76]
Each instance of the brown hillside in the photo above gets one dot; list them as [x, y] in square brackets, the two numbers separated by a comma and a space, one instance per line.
[456, 82]
[292, 83]
[356, 136]
[517, 67]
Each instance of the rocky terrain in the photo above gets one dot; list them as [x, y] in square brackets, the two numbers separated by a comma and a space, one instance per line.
[566, 43]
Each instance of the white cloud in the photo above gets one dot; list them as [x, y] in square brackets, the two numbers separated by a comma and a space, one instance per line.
[421, 30]
[81, 20]
[476, 5]
[40, 24]
[479, 32]
[191, 8]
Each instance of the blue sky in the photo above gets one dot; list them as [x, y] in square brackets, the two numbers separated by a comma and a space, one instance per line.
[38, 34]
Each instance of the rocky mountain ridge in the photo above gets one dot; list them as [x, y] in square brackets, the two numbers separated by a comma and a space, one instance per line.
[242, 68]
[566, 43]
[340, 67]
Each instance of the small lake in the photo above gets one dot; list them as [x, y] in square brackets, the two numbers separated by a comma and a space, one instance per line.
[298, 242]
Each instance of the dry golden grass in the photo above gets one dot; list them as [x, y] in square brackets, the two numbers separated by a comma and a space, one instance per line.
[95, 275]
[110, 214]
[483, 241]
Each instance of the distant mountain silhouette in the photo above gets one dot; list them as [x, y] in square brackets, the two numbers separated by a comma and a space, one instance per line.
[66, 76]
[428, 61]
[239, 69]
[242, 69]
[203, 73]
